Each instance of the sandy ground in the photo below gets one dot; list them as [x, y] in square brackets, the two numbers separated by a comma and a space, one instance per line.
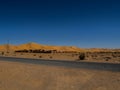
[65, 56]
[20, 76]
[50, 56]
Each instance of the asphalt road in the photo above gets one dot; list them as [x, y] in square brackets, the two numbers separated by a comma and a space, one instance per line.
[69, 64]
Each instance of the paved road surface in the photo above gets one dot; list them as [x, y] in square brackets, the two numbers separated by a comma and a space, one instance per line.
[69, 64]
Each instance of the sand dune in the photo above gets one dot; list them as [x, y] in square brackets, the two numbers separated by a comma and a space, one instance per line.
[6, 47]
[34, 46]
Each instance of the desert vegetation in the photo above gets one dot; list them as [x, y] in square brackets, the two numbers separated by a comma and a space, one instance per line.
[82, 56]
[33, 50]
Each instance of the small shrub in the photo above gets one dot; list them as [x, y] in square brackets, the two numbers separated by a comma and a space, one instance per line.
[51, 57]
[34, 55]
[82, 56]
[2, 53]
[107, 58]
[40, 56]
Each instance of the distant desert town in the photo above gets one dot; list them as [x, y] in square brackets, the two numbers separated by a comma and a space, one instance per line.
[70, 53]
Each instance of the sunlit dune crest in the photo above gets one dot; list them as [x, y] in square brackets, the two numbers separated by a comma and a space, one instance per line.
[34, 46]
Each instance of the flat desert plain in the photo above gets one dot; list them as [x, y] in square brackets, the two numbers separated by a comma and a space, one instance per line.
[26, 76]
[67, 57]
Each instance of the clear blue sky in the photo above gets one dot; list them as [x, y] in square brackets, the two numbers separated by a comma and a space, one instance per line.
[82, 23]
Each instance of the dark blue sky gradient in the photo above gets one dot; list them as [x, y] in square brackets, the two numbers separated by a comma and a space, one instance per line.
[83, 23]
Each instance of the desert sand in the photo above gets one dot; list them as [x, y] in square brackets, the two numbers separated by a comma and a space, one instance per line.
[72, 53]
[23, 76]
[28, 76]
